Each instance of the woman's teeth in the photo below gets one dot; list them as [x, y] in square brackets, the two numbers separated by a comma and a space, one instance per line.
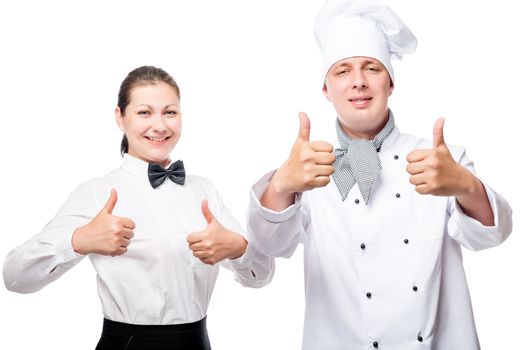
[156, 139]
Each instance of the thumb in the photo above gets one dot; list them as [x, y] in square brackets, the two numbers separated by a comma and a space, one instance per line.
[305, 126]
[206, 212]
[111, 202]
[438, 133]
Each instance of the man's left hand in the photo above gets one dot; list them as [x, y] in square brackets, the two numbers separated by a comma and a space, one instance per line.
[434, 171]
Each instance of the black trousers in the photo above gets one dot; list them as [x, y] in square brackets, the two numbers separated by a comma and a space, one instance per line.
[125, 336]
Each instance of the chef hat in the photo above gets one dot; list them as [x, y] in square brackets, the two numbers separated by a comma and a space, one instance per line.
[350, 28]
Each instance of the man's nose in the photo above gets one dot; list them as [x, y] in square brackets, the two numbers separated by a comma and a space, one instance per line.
[359, 81]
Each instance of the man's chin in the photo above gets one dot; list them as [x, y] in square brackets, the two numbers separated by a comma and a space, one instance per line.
[362, 125]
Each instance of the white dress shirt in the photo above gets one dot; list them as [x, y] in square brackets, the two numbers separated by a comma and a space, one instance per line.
[158, 280]
[388, 275]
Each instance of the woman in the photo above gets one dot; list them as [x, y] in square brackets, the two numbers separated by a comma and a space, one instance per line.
[152, 234]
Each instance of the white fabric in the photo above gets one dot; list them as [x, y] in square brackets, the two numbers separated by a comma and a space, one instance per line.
[351, 28]
[338, 272]
[158, 281]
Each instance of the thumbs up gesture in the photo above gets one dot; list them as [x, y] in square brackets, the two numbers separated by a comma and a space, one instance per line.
[106, 234]
[309, 165]
[434, 171]
[216, 242]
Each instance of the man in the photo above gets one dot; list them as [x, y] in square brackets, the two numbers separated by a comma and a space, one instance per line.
[382, 241]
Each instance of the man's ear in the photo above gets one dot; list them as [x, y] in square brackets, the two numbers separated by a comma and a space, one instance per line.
[326, 92]
[391, 88]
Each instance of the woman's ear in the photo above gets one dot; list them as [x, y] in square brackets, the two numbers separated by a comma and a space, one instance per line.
[119, 118]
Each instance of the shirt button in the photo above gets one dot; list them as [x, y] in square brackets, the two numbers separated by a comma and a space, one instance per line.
[415, 288]
[406, 241]
[368, 295]
[357, 201]
[362, 246]
[192, 299]
[420, 339]
[397, 195]
[375, 344]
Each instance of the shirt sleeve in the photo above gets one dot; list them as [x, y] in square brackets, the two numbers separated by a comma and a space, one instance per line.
[253, 269]
[471, 233]
[49, 254]
[276, 233]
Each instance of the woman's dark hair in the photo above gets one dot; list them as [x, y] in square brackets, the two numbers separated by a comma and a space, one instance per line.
[145, 75]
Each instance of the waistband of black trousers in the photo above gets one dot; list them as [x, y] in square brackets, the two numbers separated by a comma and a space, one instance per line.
[115, 328]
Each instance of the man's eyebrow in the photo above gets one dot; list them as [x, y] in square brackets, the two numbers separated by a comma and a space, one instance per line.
[368, 62]
[343, 64]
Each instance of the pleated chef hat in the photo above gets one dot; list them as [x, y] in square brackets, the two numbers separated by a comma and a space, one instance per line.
[350, 28]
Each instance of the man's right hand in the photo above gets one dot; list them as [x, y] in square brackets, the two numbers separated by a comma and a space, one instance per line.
[309, 166]
[106, 234]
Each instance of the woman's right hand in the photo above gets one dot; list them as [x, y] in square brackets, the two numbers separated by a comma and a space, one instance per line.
[106, 234]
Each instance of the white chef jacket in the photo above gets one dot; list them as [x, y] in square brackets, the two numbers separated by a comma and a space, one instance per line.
[158, 280]
[388, 275]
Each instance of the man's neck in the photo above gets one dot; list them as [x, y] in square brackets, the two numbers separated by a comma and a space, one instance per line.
[365, 134]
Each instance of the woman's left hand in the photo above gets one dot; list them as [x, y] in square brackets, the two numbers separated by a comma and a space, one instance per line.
[216, 242]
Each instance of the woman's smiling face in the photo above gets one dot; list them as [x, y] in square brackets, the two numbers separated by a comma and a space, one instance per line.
[151, 121]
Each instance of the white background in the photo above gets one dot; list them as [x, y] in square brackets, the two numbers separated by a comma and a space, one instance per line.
[245, 69]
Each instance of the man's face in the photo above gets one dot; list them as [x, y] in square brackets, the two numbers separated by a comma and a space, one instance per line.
[359, 88]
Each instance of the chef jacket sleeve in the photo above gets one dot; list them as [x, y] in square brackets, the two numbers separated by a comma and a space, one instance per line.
[470, 233]
[276, 233]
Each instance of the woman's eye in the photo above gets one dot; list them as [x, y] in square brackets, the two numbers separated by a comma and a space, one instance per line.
[143, 113]
[171, 113]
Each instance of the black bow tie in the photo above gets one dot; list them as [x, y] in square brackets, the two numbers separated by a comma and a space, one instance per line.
[157, 174]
